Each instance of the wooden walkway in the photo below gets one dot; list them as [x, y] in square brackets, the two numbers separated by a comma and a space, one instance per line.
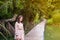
[37, 33]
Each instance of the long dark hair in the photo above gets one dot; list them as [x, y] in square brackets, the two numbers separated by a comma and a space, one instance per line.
[18, 18]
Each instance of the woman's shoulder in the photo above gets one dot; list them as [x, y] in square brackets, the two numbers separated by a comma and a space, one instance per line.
[19, 23]
[16, 22]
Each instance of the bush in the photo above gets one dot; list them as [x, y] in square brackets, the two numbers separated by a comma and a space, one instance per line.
[50, 21]
[56, 18]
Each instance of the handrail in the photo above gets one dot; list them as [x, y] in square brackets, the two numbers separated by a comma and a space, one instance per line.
[6, 30]
[3, 35]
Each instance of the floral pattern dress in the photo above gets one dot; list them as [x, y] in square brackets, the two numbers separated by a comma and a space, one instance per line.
[19, 31]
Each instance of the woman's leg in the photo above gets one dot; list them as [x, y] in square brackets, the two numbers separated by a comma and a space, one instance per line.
[17, 37]
[22, 38]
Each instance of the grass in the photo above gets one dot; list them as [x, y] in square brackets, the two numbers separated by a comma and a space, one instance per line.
[52, 33]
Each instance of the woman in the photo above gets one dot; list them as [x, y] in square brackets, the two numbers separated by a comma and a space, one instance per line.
[19, 30]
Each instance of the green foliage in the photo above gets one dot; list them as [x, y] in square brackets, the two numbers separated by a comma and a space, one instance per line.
[5, 11]
[56, 18]
[46, 7]
[52, 32]
[50, 21]
[7, 8]
[19, 4]
[36, 19]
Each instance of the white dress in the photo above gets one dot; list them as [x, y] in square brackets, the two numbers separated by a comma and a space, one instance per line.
[19, 30]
